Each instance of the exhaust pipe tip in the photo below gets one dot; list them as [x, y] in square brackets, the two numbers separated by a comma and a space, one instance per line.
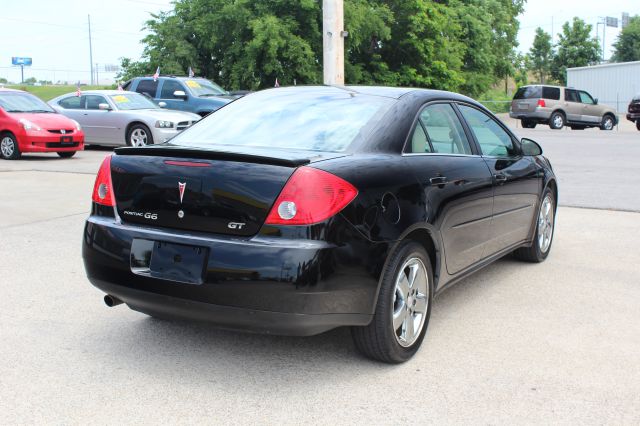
[111, 301]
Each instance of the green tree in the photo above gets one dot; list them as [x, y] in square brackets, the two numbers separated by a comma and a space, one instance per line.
[627, 45]
[460, 45]
[541, 55]
[575, 48]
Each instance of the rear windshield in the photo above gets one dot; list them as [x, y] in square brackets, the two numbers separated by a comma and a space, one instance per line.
[528, 92]
[318, 119]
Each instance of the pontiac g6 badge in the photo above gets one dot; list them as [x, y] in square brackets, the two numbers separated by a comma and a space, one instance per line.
[181, 187]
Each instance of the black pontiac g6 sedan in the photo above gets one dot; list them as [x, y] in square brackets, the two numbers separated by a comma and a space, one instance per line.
[298, 210]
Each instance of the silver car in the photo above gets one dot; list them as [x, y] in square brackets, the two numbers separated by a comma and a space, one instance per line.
[116, 117]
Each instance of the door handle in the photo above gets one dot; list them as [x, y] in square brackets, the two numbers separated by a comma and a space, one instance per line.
[500, 178]
[438, 181]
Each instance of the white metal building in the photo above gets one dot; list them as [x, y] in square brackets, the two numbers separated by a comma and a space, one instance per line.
[613, 84]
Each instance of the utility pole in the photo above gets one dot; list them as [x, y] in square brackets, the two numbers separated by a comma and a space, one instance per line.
[333, 35]
[97, 79]
[90, 48]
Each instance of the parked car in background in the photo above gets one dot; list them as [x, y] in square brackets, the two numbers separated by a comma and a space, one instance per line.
[633, 113]
[193, 94]
[560, 106]
[27, 124]
[116, 117]
[329, 207]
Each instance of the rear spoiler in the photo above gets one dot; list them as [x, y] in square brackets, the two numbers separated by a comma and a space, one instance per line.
[290, 160]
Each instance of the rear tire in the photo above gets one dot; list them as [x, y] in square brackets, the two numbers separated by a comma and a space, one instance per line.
[9, 149]
[557, 120]
[543, 236]
[66, 154]
[528, 124]
[139, 135]
[608, 122]
[403, 308]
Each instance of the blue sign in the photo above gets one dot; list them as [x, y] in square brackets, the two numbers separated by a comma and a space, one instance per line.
[16, 60]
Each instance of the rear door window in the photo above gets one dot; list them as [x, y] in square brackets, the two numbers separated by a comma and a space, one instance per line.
[552, 93]
[528, 92]
[571, 95]
[444, 130]
[147, 87]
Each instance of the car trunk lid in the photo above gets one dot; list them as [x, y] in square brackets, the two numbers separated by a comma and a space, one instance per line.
[225, 192]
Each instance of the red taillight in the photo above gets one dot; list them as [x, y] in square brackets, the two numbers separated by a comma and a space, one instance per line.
[541, 103]
[310, 196]
[103, 188]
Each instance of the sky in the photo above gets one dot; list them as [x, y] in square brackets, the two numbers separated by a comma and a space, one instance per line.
[54, 32]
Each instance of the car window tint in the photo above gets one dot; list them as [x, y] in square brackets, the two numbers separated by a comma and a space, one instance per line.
[528, 92]
[419, 142]
[72, 102]
[570, 95]
[586, 98]
[491, 137]
[552, 93]
[94, 101]
[444, 130]
[147, 87]
[168, 87]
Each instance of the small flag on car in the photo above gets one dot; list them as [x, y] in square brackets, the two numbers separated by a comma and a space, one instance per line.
[157, 74]
[191, 74]
[277, 84]
[78, 92]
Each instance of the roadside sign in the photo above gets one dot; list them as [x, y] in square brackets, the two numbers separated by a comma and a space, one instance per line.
[17, 60]
[612, 22]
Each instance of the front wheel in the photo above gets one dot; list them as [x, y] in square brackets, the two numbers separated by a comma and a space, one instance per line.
[545, 225]
[66, 154]
[607, 123]
[139, 135]
[403, 308]
[9, 149]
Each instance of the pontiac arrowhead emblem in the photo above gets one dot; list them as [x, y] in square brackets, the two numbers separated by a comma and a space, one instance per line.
[181, 187]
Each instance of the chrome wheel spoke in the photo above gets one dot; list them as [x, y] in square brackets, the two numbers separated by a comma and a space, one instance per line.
[403, 285]
[399, 317]
[421, 303]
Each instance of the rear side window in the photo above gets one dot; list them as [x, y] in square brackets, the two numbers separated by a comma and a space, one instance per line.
[147, 87]
[571, 95]
[528, 92]
[72, 102]
[551, 93]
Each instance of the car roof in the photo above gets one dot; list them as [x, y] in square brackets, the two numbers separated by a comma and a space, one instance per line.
[7, 90]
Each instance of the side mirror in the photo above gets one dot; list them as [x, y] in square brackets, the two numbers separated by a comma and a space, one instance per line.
[162, 104]
[530, 147]
[179, 94]
[104, 107]
[595, 101]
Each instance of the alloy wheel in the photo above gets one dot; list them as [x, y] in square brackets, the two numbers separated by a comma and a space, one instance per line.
[545, 224]
[138, 137]
[558, 121]
[608, 123]
[7, 146]
[410, 301]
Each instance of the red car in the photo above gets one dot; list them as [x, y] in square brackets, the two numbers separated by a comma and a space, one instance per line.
[27, 124]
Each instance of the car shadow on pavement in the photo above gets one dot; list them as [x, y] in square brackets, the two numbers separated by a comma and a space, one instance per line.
[159, 346]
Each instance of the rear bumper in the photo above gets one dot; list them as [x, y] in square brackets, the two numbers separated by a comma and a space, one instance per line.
[633, 116]
[262, 284]
[534, 116]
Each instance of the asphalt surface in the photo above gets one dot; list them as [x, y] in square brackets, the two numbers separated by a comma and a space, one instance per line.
[557, 342]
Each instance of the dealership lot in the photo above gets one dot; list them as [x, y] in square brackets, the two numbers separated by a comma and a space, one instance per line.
[519, 343]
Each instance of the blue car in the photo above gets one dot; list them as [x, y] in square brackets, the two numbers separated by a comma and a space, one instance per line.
[192, 94]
